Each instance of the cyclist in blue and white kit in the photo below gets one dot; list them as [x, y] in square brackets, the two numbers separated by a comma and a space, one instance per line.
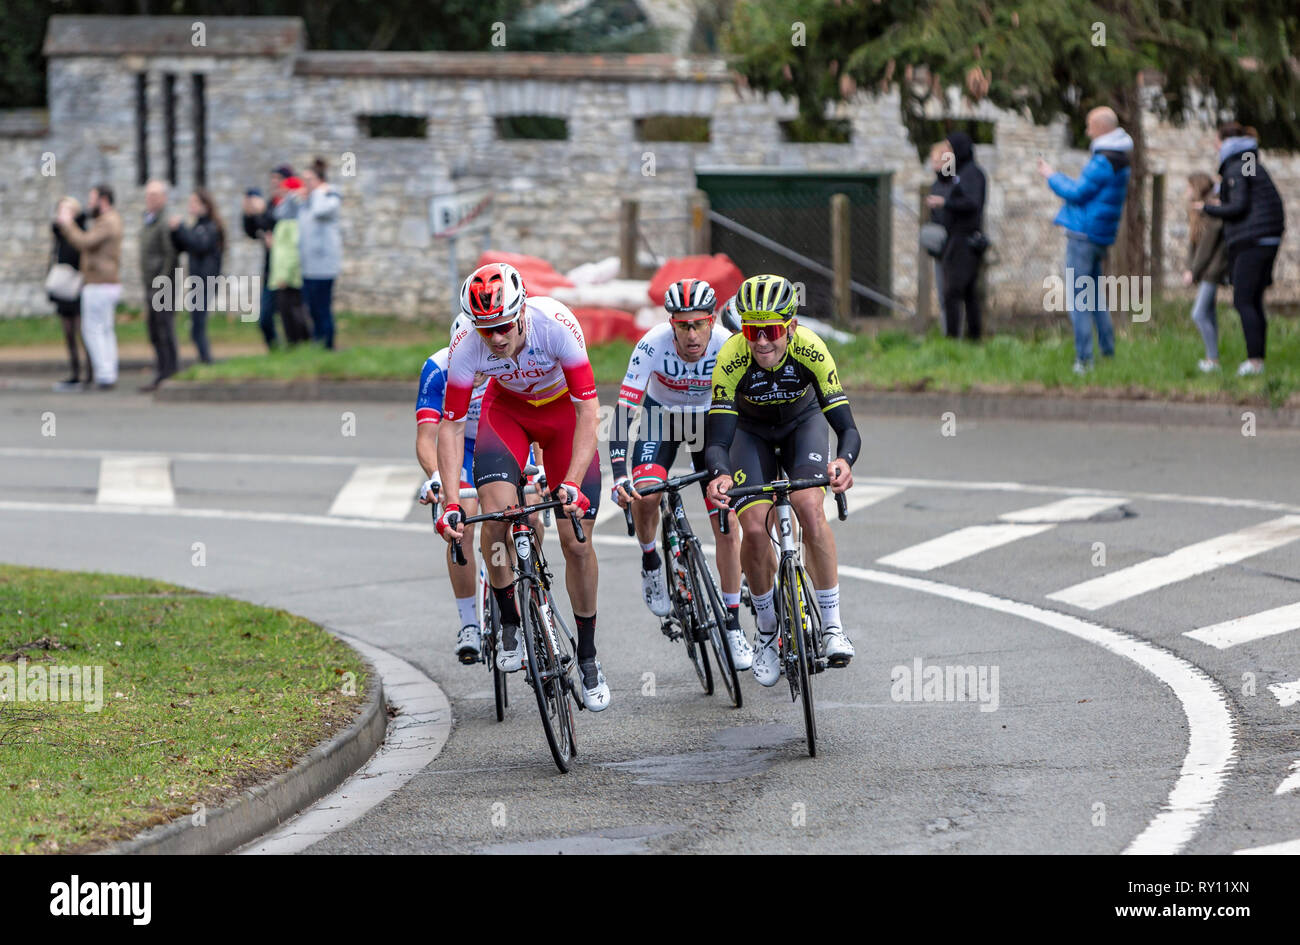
[428, 416]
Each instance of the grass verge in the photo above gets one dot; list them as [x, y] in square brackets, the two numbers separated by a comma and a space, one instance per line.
[201, 697]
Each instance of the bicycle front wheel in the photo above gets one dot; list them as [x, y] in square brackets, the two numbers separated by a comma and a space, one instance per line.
[795, 634]
[684, 608]
[548, 677]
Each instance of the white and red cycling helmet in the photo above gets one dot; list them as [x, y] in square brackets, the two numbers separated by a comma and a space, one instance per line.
[493, 295]
[687, 296]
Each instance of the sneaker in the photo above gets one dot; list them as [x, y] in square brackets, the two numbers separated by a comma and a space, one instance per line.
[837, 646]
[1082, 367]
[70, 384]
[1206, 366]
[510, 657]
[766, 661]
[1249, 369]
[742, 654]
[469, 644]
[595, 691]
[655, 592]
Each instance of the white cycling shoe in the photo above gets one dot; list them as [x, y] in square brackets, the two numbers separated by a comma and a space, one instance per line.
[655, 592]
[837, 647]
[742, 654]
[510, 660]
[469, 644]
[767, 662]
[595, 690]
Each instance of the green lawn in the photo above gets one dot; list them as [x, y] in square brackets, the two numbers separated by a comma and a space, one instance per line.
[1153, 359]
[201, 697]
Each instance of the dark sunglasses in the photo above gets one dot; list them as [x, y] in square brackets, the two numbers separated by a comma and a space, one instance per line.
[497, 329]
[771, 331]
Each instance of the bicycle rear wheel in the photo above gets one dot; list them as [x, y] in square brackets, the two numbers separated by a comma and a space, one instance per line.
[549, 680]
[711, 613]
[795, 617]
[491, 637]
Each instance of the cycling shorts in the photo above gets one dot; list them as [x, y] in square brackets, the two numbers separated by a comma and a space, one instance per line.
[799, 450]
[653, 458]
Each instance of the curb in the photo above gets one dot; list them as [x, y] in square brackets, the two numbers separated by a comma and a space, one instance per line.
[987, 406]
[266, 806]
[299, 390]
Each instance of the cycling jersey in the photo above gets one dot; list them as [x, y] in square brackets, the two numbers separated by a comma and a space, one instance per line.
[658, 370]
[432, 392]
[662, 383]
[774, 401]
[552, 362]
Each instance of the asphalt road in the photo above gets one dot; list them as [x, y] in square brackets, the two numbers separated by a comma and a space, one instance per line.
[1113, 730]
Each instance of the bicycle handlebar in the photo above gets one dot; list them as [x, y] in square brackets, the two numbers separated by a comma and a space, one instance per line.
[783, 487]
[671, 484]
[508, 515]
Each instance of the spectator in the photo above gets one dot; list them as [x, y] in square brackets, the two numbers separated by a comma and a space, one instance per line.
[322, 249]
[1253, 222]
[286, 263]
[101, 255]
[158, 261]
[1207, 262]
[1093, 206]
[960, 208]
[69, 309]
[203, 243]
[259, 221]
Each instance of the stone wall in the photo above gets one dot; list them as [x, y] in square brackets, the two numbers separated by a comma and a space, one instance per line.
[555, 199]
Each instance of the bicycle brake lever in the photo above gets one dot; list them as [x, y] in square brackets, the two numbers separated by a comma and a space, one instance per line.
[457, 554]
[722, 520]
[577, 528]
[842, 505]
[627, 514]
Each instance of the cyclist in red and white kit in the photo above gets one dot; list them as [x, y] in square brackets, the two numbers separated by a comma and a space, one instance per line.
[670, 378]
[541, 390]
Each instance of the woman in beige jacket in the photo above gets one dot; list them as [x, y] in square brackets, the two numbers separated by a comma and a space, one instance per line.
[101, 254]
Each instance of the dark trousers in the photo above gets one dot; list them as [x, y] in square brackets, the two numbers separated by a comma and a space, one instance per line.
[162, 335]
[70, 316]
[319, 294]
[1252, 273]
[266, 314]
[961, 269]
[199, 334]
[293, 313]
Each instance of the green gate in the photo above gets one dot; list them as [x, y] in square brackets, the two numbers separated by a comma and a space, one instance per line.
[793, 209]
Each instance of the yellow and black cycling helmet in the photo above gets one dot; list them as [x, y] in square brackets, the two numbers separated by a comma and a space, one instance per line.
[766, 298]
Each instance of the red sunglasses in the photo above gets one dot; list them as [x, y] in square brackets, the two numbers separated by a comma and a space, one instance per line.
[497, 329]
[771, 331]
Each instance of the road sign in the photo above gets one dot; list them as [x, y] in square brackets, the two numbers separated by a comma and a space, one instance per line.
[463, 212]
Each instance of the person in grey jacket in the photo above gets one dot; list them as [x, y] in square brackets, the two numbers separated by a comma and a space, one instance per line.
[158, 268]
[203, 242]
[1207, 264]
[321, 247]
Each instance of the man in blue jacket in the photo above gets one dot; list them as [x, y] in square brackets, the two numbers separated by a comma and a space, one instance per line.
[1093, 206]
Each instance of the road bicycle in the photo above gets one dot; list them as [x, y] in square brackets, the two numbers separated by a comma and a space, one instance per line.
[698, 616]
[798, 618]
[549, 645]
[489, 617]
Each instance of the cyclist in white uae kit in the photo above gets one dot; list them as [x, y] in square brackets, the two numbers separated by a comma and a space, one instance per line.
[541, 390]
[670, 377]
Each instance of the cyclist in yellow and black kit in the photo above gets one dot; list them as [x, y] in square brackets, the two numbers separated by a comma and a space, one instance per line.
[776, 397]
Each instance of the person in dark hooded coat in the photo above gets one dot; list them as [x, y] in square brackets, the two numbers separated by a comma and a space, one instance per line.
[958, 204]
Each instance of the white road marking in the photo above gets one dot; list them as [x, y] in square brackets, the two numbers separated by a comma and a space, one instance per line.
[1211, 747]
[1074, 509]
[1266, 623]
[1182, 564]
[1291, 781]
[386, 492]
[135, 480]
[1288, 694]
[415, 737]
[957, 545]
[861, 496]
[1286, 848]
